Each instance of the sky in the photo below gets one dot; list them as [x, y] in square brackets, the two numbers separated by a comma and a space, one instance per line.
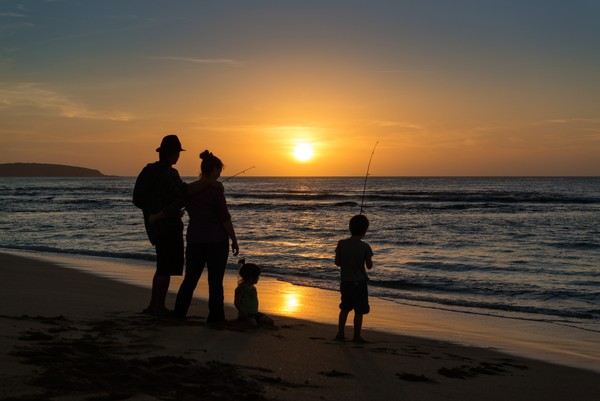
[428, 88]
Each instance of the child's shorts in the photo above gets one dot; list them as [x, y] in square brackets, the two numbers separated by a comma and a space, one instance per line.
[355, 296]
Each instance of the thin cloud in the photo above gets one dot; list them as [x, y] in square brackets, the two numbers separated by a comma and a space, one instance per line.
[35, 98]
[225, 61]
[396, 124]
[22, 11]
[568, 121]
[396, 71]
[16, 26]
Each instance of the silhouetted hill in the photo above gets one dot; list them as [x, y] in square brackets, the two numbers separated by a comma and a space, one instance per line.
[45, 170]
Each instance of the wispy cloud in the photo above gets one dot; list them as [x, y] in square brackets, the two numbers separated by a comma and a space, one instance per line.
[395, 124]
[35, 98]
[226, 61]
[11, 14]
[21, 12]
[16, 26]
[568, 121]
[14, 21]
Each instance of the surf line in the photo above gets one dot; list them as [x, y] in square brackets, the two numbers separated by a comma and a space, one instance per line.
[235, 175]
[366, 177]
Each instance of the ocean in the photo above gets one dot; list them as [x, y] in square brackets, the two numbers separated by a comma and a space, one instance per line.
[526, 248]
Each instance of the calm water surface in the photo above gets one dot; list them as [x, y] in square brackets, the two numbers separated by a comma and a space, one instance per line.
[519, 247]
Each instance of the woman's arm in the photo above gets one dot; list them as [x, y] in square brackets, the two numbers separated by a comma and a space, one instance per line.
[231, 233]
[225, 217]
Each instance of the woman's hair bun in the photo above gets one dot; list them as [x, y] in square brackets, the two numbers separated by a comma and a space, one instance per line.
[209, 162]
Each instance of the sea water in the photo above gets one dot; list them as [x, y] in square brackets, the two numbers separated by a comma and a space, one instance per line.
[502, 246]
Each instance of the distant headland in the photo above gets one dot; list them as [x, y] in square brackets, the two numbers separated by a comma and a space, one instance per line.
[45, 170]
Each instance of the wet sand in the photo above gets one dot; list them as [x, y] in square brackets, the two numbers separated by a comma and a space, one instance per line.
[67, 334]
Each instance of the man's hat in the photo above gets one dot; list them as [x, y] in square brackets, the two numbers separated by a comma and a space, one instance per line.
[170, 143]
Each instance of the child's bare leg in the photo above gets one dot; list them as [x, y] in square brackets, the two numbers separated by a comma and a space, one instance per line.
[342, 325]
[358, 320]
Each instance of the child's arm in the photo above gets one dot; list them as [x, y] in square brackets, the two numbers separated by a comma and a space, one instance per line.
[238, 304]
[338, 259]
[368, 256]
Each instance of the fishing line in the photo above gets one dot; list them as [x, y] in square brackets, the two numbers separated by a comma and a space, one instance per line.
[235, 175]
[367, 176]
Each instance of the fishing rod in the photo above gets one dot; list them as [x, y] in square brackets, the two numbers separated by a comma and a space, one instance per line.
[367, 176]
[235, 175]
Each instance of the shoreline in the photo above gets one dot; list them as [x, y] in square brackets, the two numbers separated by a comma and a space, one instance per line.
[76, 335]
[544, 341]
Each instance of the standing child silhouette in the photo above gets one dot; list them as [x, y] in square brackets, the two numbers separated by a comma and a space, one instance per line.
[352, 255]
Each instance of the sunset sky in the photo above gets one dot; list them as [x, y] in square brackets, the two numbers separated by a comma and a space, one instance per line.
[447, 87]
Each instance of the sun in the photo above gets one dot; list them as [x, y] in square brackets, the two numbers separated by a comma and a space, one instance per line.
[303, 152]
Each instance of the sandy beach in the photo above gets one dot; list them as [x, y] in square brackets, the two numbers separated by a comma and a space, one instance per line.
[67, 334]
